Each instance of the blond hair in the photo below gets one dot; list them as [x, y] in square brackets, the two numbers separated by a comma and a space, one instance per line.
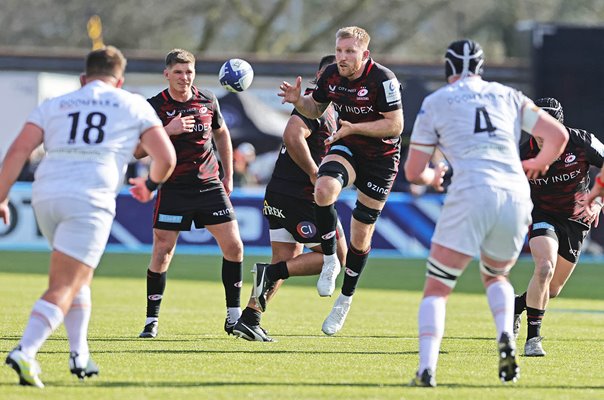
[179, 56]
[354, 32]
[108, 61]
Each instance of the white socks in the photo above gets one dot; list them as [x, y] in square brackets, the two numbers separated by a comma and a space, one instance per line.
[233, 314]
[431, 319]
[45, 317]
[330, 258]
[501, 301]
[76, 324]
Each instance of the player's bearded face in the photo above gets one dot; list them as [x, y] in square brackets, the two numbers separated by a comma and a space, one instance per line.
[350, 57]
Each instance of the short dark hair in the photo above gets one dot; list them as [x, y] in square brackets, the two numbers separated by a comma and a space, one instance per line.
[552, 107]
[108, 61]
[327, 60]
[179, 56]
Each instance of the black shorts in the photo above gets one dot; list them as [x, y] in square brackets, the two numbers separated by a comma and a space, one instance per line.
[568, 234]
[175, 209]
[375, 177]
[295, 215]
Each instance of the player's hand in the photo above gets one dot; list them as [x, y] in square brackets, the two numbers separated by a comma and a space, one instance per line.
[439, 176]
[180, 125]
[346, 129]
[139, 190]
[587, 211]
[533, 168]
[227, 182]
[5, 212]
[596, 191]
[597, 208]
[290, 94]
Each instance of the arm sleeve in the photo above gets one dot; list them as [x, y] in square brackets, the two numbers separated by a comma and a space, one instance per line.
[424, 131]
[312, 124]
[594, 149]
[146, 115]
[36, 117]
[217, 119]
[390, 93]
[319, 94]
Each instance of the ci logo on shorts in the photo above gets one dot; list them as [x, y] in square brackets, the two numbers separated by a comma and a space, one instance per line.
[306, 229]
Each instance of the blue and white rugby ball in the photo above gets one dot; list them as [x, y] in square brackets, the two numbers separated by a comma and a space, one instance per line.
[236, 75]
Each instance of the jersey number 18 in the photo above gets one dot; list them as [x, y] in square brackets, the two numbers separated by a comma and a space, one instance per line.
[95, 121]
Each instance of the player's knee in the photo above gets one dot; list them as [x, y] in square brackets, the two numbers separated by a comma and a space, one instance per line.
[233, 251]
[364, 214]
[324, 196]
[544, 270]
[494, 272]
[442, 273]
[335, 170]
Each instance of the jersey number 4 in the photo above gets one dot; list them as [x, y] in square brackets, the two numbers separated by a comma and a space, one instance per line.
[482, 122]
[93, 132]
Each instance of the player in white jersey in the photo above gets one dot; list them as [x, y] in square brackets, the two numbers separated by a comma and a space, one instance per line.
[89, 136]
[476, 125]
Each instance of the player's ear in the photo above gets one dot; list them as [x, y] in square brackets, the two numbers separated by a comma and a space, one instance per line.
[82, 79]
[166, 73]
[365, 55]
[120, 82]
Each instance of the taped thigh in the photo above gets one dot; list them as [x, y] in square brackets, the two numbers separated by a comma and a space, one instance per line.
[442, 273]
[335, 170]
[492, 271]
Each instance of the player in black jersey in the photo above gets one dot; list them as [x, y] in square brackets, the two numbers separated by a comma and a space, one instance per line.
[364, 152]
[289, 208]
[194, 192]
[562, 219]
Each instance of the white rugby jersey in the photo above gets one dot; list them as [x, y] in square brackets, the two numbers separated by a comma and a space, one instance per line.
[477, 125]
[89, 137]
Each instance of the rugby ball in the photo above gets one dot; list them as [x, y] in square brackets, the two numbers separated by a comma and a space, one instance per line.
[236, 75]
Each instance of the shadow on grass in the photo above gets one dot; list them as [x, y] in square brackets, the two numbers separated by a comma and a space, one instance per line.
[388, 274]
[377, 385]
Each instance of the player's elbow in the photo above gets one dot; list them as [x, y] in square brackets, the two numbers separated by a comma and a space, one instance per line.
[412, 173]
[165, 162]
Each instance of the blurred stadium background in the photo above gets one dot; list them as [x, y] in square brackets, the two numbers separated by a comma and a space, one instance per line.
[542, 47]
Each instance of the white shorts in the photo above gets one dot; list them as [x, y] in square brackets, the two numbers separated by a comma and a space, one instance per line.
[484, 220]
[282, 235]
[74, 227]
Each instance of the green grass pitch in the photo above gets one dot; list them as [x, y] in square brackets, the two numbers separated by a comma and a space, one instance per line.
[373, 357]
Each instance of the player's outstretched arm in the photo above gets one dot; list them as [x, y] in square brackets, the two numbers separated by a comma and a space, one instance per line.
[305, 105]
[30, 137]
[555, 136]
[155, 142]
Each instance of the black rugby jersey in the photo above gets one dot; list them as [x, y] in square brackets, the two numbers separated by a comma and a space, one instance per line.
[196, 163]
[362, 100]
[288, 178]
[567, 178]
